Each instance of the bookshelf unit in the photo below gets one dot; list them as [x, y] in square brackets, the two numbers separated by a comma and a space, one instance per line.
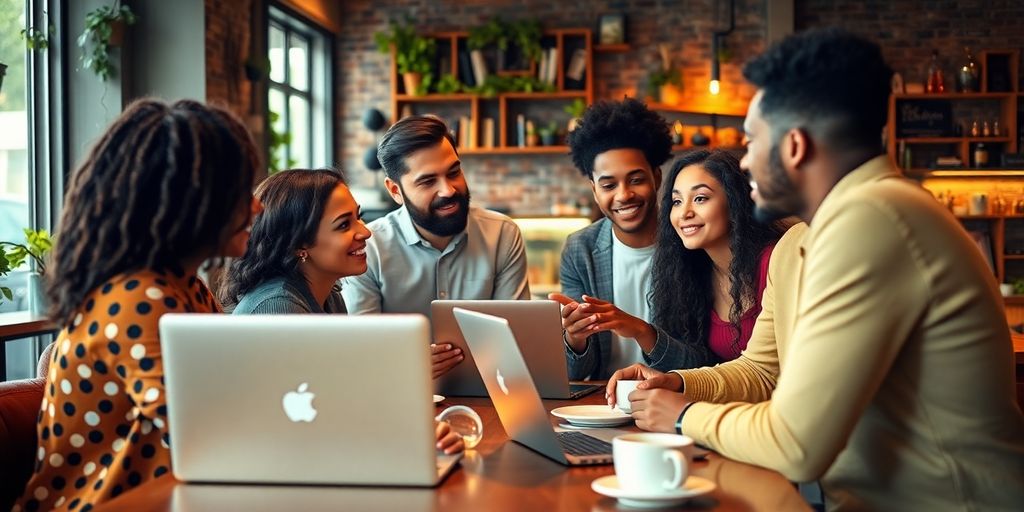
[503, 108]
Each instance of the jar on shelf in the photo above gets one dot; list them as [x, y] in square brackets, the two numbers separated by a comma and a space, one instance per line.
[980, 155]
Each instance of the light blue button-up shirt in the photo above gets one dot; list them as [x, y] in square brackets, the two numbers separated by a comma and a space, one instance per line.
[405, 273]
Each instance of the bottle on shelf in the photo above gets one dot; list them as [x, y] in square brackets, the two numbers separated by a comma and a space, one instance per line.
[980, 155]
[974, 129]
[967, 75]
[936, 82]
[986, 130]
[995, 128]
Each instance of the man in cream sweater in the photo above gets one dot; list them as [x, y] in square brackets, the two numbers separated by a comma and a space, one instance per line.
[882, 363]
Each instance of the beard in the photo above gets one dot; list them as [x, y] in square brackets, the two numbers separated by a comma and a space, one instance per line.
[441, 225]
[779, 196]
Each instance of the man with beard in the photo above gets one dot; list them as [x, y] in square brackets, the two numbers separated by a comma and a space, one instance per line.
[436, 246]
[606, 267]
[893, 381]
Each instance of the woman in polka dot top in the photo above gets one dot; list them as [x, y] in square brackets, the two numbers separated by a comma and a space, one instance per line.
[166, 188]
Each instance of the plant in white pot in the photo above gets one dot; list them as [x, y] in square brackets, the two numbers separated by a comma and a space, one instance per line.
[37, 246]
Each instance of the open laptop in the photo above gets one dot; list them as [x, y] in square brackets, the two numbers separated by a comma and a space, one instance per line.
[301, 399]
[516, 399]
[537, 325]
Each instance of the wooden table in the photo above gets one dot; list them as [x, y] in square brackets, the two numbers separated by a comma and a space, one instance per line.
[495, 476]
[21, 324]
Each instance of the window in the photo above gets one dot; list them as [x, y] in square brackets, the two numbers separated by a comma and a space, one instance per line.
[300, 91]
[14, 143]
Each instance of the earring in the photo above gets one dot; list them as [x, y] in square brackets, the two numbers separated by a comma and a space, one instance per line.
[303, 256]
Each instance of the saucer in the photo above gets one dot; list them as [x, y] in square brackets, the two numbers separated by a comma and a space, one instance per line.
[592, 415]
[438, 399]
[693, 487]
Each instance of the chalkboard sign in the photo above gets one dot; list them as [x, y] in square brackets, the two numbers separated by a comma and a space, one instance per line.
[924, 118]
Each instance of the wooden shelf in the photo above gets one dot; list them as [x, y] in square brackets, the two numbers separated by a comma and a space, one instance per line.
[954, 95]
[611, 48]
[515, 150]
[1019, 257]
[967, 173]
[950, 140]
[427, 98]
[558, 95]
[696, 109]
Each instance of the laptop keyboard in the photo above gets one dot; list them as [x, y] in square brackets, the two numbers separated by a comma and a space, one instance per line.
[580, 444]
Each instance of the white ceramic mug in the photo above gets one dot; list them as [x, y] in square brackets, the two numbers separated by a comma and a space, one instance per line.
[622, 390]
[1006, 289]
[651, 463]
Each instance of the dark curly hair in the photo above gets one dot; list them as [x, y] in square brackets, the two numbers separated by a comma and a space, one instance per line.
[293, 204]
[608, 125]
[829, 79]
[682, 292]
[164, 184]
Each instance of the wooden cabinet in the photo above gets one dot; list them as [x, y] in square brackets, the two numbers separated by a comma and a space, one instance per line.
[504, 109]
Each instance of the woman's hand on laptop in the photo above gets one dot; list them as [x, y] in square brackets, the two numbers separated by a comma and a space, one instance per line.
[652, 379]
[444, 357]
[448, 441]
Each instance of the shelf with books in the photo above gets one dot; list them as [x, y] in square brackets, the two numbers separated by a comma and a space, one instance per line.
[495, 99]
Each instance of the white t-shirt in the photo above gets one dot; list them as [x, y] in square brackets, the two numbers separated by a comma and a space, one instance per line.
[631, 282]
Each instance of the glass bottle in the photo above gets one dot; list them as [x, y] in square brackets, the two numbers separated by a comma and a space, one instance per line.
[967, 75]
[974, 129]
[995, 128]
[980, 155]
[935, 79]
[986, 131]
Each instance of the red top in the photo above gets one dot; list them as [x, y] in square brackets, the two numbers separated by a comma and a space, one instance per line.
[721, 333]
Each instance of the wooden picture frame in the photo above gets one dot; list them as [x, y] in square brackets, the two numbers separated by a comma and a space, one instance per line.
[611, 29]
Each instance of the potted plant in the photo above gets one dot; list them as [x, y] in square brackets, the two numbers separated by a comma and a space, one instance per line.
[664, 83]
[36, 39]
[525, 34]
[532, 140]
[413, 55]
[575, 111]
[548, 133]
[13, 254]
[104, 28]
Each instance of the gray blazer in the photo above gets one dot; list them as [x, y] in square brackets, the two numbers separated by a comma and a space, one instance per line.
[284, 296]
[587, 269]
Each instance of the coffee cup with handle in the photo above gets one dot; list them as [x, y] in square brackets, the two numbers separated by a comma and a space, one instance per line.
[651, 463]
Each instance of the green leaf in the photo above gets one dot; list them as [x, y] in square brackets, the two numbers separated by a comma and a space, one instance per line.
[6, 292]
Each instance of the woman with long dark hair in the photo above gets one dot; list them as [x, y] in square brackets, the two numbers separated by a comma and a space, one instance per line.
[308, 236]
[711, 256]
[709, 269]
[164, 189]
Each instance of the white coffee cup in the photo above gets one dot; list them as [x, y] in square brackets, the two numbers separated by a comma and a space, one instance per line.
[622, 390]
[650, 462]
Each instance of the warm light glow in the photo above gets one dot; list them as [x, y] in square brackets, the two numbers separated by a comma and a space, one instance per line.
[714, 87]
[678, 127]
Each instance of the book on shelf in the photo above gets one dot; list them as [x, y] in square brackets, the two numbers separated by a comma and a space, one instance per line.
[488, 132]
[466, 74]
[521, 130]
[552, 69]
[574, 73]
[479, 66]
[542, 67]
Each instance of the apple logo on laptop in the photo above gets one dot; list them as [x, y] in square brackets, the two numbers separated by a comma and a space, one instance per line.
[501, 382]
[298, 405]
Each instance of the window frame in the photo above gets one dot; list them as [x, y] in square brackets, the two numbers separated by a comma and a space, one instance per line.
[319, 95]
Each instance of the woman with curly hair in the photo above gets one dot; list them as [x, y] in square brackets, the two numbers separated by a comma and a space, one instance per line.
[709, 269]
[167, 187]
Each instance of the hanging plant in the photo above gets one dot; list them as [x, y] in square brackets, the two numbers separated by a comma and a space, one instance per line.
[102, 30]
[36, 39]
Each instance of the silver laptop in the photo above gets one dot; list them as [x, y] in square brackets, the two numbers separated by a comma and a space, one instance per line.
[516, 399]
[299, 399]
[537, 325]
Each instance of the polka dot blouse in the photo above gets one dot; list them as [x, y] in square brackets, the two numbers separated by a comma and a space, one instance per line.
[103, 420]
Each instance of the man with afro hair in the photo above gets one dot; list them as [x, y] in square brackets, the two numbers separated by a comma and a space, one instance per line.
[620, 147]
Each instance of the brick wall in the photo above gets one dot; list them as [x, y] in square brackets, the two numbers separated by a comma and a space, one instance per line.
[908, 30]
[530, 184]
[228, 41]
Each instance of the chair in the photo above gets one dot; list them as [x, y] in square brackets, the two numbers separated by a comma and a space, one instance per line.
[19, 410]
